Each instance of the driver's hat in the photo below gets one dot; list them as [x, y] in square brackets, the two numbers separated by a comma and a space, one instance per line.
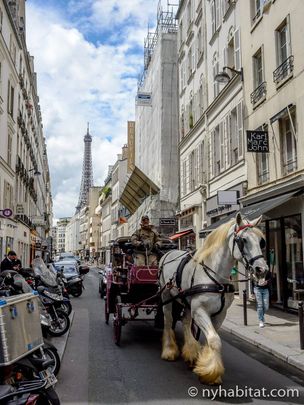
[145, 217]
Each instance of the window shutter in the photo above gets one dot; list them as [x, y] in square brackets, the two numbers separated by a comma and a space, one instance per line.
[240, 129]
[237, 49]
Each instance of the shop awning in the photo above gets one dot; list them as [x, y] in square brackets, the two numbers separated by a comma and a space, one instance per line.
[137, 188]
[250, 212]
[180, 234]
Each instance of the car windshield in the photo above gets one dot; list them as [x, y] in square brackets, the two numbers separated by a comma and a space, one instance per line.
[67, 268]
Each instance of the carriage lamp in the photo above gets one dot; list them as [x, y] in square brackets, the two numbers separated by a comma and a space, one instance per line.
[223, 77]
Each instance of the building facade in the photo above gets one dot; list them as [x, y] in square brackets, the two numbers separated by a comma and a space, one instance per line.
[24, 173]
[273, 60]
[61, 231]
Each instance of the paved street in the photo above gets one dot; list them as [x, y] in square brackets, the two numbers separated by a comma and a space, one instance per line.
[95, 371]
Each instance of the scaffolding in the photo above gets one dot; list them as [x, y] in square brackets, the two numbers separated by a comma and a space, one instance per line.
[166, 23]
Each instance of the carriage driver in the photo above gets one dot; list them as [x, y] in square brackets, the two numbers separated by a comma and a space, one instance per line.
[146, 241]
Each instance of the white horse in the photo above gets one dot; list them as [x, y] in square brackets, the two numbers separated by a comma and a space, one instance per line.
[205, 292]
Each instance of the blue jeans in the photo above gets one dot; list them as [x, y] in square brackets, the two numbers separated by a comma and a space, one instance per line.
[262, 299]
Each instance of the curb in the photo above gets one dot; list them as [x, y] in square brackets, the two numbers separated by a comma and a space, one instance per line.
[61, 342]
[293, 357]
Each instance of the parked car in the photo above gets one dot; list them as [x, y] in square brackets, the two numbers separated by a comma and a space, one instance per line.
[69, 268]
[66, 256]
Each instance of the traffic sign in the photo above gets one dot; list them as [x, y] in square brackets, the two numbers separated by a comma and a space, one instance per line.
[7, 212]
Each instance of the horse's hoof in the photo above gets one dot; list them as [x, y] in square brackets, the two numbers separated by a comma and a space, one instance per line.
[170, 355]
[217, 382]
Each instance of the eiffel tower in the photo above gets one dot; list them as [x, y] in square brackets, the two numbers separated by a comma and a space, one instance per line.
[87, 172]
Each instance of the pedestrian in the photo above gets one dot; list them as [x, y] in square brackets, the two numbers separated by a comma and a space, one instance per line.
[262, 294]
[11, 262]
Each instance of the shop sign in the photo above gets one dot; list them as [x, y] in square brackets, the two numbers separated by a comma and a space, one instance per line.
[257, 141]
[167, 221]
[19, 209]
[143, 99]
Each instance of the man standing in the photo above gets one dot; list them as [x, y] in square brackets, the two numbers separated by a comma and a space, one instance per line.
[145, 240]
[11, 262]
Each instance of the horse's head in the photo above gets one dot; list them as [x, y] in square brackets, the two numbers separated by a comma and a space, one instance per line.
[246, 243]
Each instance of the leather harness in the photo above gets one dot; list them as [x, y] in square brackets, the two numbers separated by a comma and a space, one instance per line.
[215, 287]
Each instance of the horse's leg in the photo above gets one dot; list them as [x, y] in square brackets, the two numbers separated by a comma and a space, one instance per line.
[209, 366]
[191, 346]
[170, 349]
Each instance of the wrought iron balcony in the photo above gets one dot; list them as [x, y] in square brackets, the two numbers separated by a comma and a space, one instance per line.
[283, 70]
[258, 93]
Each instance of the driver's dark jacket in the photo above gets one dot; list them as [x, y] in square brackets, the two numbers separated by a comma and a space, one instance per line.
[144, 235]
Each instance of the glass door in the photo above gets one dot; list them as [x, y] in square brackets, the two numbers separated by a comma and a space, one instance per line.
[275, 260]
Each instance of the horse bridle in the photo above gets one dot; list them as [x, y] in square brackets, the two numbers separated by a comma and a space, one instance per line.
[239, 241]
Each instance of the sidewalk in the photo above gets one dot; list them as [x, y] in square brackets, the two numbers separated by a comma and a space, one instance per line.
[280, 336]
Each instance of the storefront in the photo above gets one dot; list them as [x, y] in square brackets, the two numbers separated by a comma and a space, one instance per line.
[283, 227]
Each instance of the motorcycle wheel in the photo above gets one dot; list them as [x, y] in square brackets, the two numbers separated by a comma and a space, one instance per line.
[48, 397]
[60, 327]
[52, 354]
[77, 292]
[66, 307]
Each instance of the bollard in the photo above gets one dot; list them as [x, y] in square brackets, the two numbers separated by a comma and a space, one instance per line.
[245, 306]
[301, 324]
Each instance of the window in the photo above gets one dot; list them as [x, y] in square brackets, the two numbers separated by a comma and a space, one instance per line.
[257, 9]
[258, 73]
[201, 95]
[283, 42]
[283, 48]
[236, 134]
[215, 15]
[183, 75]
[9, 149]
[192, 167]
[216, 151]
[262, 163]
[10, 99]
[184, 177]
[262, 168]
[1, 19]
[215, 65]
[288, 144]
[180, 33]
[182, 123]
[7, 195]
[199, 45]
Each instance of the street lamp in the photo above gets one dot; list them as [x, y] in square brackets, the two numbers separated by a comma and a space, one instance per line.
[223, 77]
[36, 172]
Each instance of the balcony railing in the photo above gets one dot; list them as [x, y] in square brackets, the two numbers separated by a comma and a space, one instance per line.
[283, 70]
[258, 93]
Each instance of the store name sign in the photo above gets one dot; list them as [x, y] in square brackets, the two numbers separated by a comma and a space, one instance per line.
[167, 221]
[257, 141]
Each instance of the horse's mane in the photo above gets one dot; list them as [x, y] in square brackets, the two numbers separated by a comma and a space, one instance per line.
[216, 239]
[213, 242]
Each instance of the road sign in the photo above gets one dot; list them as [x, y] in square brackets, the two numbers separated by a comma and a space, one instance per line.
[7, 212]
[167, 221]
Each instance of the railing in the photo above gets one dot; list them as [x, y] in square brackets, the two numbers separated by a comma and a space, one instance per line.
[283, 70]
[290, 166]
[263, 177]
[258, 93]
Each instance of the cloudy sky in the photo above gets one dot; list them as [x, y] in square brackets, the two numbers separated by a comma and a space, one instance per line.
[88, 55]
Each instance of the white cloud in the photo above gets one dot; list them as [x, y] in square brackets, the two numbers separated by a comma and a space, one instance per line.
[79, 81]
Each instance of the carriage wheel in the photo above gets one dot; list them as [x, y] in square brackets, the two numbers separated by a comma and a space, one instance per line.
[117, 325]
[196, 332]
